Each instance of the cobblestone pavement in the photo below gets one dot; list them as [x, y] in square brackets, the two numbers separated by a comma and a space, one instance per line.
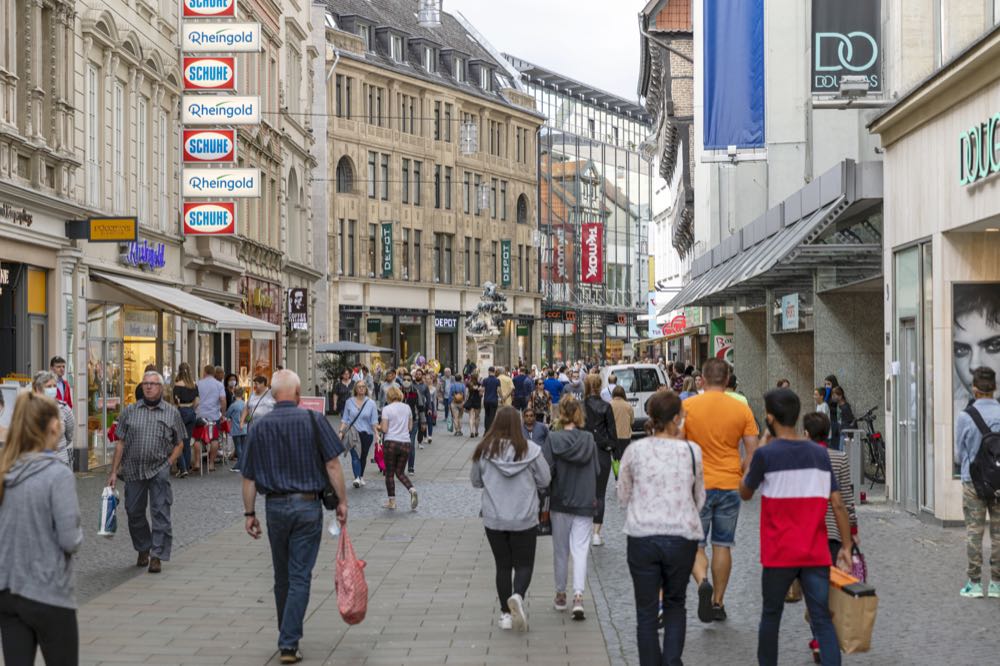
[916, 568]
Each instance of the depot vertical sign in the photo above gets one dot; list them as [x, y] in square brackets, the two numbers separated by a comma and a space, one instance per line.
[505, 270]
[386, 241]
[592, 253]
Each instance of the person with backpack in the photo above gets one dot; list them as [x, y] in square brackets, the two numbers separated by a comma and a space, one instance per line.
[977, 448]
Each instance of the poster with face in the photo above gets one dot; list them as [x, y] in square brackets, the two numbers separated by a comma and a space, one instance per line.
[298, 314]
[975, 333]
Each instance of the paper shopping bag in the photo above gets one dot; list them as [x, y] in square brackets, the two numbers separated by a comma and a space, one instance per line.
[853, 605]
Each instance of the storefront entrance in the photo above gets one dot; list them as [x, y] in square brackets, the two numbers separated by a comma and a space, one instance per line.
[23, 320]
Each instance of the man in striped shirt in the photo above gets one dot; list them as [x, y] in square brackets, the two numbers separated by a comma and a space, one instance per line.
[796, 482]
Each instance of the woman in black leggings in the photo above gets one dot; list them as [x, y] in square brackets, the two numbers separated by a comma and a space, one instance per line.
[601, 424]
[511, 471]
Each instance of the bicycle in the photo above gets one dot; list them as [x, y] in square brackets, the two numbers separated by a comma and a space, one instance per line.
[873, 451]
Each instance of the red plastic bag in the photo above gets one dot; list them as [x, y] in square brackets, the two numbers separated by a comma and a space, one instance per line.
[350, 583]
[380, 457]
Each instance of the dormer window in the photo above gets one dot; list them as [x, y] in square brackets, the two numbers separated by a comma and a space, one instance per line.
[484, 78]
[396, 48]
[460, 70]
[366, 35]
[429, 59]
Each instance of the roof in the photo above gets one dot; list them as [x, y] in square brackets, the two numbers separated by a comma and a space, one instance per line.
[675, 16]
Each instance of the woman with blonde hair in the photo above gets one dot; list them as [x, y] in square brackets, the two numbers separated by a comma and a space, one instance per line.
[397, 422]
[44, 383]
[39, 531]
[572, 457]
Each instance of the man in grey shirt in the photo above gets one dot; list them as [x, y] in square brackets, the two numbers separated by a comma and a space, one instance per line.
[211, 407]
[151, 436]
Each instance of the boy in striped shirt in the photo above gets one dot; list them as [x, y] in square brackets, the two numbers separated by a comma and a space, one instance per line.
[796, 482]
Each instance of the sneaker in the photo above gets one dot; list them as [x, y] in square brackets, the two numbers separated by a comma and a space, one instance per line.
[505, 621]
[413, 499]
[390, 504]
[420, 446]
[718, 612]
[429, 440]
[361, 481]
[578, 607]
[357, 483]
[597, 539]
[560, 602]
[814, 648]
[290, 656]
[972, 590]
[517, 614]
[234, 469]
[994, 589]
[705, 613]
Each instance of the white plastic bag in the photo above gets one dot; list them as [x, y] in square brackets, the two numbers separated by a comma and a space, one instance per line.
[109, 512]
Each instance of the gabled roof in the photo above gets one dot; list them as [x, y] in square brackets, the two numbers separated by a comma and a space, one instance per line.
[673, 16]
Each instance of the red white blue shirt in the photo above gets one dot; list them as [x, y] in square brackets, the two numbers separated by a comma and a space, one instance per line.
[795, 480]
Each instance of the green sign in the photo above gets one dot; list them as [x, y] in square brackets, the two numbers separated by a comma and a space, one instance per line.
[505, 263]
[523, 331]
[374, 325]
[978, 156]
[386, 250]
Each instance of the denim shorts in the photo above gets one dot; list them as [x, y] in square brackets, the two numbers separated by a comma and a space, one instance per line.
[722, 508]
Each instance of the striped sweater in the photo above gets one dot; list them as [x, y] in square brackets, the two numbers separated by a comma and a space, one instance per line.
[841, 470]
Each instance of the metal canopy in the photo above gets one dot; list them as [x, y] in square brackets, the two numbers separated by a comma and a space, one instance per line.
[347, 347]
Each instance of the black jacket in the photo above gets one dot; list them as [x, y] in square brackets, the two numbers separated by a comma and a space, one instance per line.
[600, 422]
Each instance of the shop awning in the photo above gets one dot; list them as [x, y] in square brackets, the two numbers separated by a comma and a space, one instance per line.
[784, 246]
[348, 347]
[187, 305]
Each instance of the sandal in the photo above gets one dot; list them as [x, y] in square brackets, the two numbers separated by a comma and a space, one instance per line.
[390, 505]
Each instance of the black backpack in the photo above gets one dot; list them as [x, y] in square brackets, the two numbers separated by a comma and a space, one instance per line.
[985, 467]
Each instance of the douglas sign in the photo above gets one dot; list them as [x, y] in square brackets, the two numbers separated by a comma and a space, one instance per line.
[977, 151]
[846, 41]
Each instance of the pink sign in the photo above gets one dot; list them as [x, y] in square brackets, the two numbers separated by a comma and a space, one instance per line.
[315, 403]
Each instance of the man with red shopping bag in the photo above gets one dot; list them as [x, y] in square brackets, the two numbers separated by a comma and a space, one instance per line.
[292, 458]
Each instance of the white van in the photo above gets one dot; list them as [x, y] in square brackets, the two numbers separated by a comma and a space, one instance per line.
[640, 381]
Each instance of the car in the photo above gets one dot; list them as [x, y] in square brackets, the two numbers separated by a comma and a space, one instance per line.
[640, 381]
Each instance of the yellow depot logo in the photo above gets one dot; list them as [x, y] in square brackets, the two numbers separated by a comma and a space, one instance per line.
[113, 229]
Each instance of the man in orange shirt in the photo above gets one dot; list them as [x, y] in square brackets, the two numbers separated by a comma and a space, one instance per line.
[718, 424]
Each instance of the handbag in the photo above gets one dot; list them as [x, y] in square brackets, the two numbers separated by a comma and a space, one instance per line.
[352, 439]
[859, 568]
[379, 456]
[328, 494]
[350, 583]
[544, 527]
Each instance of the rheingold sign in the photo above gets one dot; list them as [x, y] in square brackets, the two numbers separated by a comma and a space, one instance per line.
[220, 37]
[978, 156]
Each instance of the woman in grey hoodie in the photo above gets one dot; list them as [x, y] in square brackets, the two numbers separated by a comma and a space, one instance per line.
[511, 471]
[39, 531]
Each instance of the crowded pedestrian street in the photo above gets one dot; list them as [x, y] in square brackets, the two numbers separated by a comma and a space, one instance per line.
[430, 576]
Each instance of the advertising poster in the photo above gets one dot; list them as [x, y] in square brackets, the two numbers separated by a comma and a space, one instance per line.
[975, 336]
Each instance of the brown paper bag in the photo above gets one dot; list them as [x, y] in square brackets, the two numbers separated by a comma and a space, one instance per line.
[853, 605]
[794, 593]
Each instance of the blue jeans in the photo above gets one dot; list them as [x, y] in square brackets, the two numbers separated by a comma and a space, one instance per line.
[660, 563]
[238, 442]
[294, 529]
[816, 590]
[360, 458]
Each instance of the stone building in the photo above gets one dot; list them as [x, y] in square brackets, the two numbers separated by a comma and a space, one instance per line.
[433, 185]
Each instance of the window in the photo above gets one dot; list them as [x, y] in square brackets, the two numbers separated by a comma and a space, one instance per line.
[370, 103]
[503, 200]
[378, 107]
[437, 185]
[343, 96]
[436, 263]
[479, 262]
[614, 135]
[342, 266]
[448, 238]
[163, 193]
[345, 176]
[372, 249]
[406, 254]
[366, 35]
[118, 148]
[294, 79]
[522, 209]
[407, 114]
[142, 159]
[468, 259]
[590, 127]
[405, 182]
[385, 177]
[467, 193]
[417, 234]
[484, 78]
[437, 121]
[428, 59]
[416, 182]
[447, 188]
[91, 139]
[460, 70]
[493, 198]
[496, 273]
[447, 122]
[351, 247]
[396, 48]
[371, 175]
[520, 267]
[517, 147]
[476, 194]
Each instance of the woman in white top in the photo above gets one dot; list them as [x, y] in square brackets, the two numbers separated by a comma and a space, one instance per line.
[397, 422]
[661, 488]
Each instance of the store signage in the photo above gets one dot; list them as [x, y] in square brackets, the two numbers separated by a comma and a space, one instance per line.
[724, 347]
[446, 323]
[592, 254]
[386, 239]
[790, 312]
[675, 326]
[846, 36]
[374, 325]
[505, 268]
[4, 278]
[216, 109]
[978, 155]
[216, 218]
[17, 216]
[112, 229]
[220, 182]
[209, 8]
[143, 255]
[621, 319]
[214, 146]
[523, 329]
[217, 73]
[221, 37]
[298, 309]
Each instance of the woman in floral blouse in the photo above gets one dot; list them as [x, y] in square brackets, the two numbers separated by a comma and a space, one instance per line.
[541, 402]
[662, 490]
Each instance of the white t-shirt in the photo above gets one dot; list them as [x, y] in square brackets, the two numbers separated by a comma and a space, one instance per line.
[398, 415]
[260, 405]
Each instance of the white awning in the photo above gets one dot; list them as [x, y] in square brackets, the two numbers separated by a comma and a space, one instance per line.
[185, 304]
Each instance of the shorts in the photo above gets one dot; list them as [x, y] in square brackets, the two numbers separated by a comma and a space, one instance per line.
[718, 517]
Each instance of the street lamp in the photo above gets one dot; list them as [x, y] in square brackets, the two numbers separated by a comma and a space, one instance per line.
[429, 14]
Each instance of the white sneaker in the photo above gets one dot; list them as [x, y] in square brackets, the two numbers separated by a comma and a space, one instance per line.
[413, 499]
[518, 616]
[420, 446]
[357, 482]
[429, 441]
[505, 621]
[597, 539]
[362, 481]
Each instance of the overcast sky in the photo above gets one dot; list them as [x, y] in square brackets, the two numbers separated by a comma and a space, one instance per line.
[593, 41]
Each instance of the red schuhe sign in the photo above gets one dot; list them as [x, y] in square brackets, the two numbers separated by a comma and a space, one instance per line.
[592, 254]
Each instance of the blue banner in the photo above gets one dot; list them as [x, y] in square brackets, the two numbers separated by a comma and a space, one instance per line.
[734, 74]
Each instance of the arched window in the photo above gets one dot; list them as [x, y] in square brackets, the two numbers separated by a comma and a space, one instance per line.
[345, 176]
[522, 209]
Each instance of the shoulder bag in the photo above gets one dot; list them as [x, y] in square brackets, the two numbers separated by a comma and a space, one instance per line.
[328, 494]
[352, 438]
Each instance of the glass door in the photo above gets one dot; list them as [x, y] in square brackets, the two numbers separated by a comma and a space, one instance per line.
[907, 439]
[104, 398]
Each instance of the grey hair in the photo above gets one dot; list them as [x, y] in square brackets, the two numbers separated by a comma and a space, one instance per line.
[284, 381]
[155, 374]
[42, 377]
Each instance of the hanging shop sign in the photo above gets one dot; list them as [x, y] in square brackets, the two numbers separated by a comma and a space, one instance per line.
[209, 146]
[16, 215]
[790, 312]
[220, 109]
[213, 218]
[298, 309]
[104, 229]
[209, 8]
[220, 182]
[846, 40]
[978, 154]
[215, 73]
[505, 268]
[446, 323]
[592, 254]
[374, 325]
[523, 329]
[386, 238]
[143, 255]
[221, 37]
[676, 325]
